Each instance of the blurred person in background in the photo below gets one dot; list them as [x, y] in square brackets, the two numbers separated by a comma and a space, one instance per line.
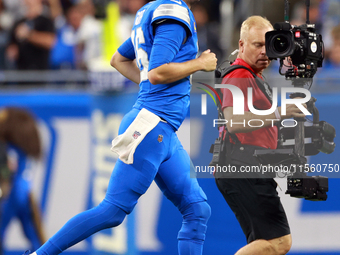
[15, 7]
[6, 21]
[58, 8]
[5, 177]
[64, 54]
[207, 32]
[128, 9]
[333, 60]
[330, 17]
[328, 76]
[89, 35]
[166, 43]
[19, 131]
[299, 14]
[31, 38]
[3, 36]
[5, 172]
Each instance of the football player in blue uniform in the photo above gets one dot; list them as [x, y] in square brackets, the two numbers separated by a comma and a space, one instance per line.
[160, 56]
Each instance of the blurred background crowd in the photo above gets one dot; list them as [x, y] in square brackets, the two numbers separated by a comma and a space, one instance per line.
[83, 34]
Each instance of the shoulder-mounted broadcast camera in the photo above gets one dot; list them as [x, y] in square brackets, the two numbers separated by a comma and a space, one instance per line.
[301, 44]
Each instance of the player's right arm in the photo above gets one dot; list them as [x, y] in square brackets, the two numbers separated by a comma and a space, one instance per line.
[126, 64]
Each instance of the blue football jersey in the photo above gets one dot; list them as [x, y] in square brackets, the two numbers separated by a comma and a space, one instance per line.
[169, 101]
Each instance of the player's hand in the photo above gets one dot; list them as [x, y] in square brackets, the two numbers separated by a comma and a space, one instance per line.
[208, 60]
[292, 111]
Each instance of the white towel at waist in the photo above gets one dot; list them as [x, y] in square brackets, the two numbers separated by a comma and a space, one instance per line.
[125, 144]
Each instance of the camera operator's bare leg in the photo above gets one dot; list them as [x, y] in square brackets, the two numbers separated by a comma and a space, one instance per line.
[277, 246]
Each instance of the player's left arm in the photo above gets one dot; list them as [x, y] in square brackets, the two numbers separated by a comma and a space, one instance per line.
[172, 72]
[169, 37]
[125, 63]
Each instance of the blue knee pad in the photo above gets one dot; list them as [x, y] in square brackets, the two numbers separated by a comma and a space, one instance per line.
[195, 218]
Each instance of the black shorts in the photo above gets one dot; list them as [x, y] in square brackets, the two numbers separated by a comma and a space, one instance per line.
[256, 205]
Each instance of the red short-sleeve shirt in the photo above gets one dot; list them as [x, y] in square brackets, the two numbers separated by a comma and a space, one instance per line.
[265, 137]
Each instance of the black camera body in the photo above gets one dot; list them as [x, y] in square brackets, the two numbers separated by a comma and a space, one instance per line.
[309, 187]
[300, 43]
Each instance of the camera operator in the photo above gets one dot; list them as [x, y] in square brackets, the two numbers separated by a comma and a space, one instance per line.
[254, 201]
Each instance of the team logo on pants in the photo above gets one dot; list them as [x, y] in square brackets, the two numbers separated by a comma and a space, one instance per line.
[136, 134]
[160, 138]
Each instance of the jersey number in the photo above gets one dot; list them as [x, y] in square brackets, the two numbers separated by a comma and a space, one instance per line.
[141, 55]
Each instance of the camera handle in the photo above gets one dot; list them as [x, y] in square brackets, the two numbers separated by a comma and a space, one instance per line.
[299, 128]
